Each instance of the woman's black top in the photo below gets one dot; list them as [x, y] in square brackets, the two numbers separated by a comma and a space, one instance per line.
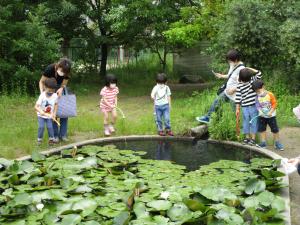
[50, 72]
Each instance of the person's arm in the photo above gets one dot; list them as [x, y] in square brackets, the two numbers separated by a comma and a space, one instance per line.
[258, 74]
[37, 108]
[42, 83]
[116, 101]
[53, 116]
[273, 104]
[169, 100]
[62, 86]
[153, 93]
[221, 76]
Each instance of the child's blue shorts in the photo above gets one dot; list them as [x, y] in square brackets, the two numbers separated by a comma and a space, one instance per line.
[250, 112]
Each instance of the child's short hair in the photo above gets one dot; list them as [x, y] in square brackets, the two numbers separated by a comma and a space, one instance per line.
[110, 79]
[65, 65]
[245, 75]
[161, 78]
[233, 55]
[51, 83]
[258, 84]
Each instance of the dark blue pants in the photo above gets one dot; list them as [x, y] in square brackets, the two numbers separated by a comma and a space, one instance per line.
[61, 132]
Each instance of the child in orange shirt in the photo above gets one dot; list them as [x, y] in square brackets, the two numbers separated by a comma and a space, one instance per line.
[266, 105]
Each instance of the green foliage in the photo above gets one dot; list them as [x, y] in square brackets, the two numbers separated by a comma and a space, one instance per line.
[27, 45]
[118, 187]
[250, 27]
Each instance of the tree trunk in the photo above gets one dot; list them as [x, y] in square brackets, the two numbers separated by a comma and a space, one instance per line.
[164, 61]
[65, 47]
[104, 54]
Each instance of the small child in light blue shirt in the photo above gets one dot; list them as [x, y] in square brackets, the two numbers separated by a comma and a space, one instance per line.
[161, 95]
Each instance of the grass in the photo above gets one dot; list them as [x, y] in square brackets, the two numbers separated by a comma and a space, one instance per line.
[18, 120]
[19, 124]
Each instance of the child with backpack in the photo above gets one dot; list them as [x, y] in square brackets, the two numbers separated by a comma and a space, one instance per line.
[161, 95]
[266, 105]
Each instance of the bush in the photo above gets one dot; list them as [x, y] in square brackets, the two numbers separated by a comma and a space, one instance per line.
[27, 45]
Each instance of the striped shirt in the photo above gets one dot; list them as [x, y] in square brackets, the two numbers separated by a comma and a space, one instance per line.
[110, 95]
[245, 95]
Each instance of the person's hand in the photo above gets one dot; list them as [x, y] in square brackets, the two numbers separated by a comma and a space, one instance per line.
[230, 91]
[60, 91]
[53, 116]
[218, 75]
[270, 114]
[294, 161]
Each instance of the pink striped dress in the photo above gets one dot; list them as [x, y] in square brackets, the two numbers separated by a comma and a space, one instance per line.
[110, 95]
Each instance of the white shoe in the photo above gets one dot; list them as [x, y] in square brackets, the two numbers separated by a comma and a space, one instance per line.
[111, 128]
[106, 131]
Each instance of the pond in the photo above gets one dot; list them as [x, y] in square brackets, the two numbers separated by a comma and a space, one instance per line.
[129, 183]
[191, 154]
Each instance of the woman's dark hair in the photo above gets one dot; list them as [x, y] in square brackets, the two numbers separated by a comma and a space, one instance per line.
[110, 79]
[51, 83]
[161, 78]
[65, 64]
[258, 84]
[233, 55]
[245, 75]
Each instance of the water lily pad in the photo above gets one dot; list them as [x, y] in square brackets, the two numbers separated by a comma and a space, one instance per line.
[159, 205]
[254, 186]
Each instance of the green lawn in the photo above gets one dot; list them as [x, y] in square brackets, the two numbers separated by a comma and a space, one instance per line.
[19, 123]
[18, 120]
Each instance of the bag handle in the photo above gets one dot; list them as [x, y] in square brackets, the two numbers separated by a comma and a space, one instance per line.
[65, 91]
[234, 70]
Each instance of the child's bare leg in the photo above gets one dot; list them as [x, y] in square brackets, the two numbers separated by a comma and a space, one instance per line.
[263, 136]
[105, 122]
[252, 136]
[105, 118]
[276, 136]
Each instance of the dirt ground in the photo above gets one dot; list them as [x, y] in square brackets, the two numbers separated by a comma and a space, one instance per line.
[290, 137]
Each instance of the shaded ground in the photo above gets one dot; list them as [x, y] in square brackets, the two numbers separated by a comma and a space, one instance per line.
[290, 137]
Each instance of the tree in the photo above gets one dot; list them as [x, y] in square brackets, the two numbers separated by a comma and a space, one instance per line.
[67, 18]
[154, 18]
[25, 42]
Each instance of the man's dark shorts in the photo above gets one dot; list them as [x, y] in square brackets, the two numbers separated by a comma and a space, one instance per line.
[263, 122]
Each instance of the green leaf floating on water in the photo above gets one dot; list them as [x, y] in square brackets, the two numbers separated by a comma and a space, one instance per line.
[159, 205]
[122, 219]
[255, 186]
[104, 185]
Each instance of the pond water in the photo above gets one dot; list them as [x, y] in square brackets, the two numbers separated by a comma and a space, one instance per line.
[191, 154]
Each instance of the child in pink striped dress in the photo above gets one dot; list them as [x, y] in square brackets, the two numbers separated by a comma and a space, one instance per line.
[108, 103]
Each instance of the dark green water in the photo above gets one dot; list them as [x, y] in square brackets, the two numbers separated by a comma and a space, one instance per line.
[188, 153]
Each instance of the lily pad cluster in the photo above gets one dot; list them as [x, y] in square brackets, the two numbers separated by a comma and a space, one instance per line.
[103, 185]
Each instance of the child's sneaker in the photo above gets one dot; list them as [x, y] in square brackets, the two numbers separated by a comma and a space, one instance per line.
[278, 146]
[106, 131]
[246, 141]
[252, 142]
[203, 119]
[111, 128]
[169, 132]
[39, 141]
[263, 144]
[161, 133]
